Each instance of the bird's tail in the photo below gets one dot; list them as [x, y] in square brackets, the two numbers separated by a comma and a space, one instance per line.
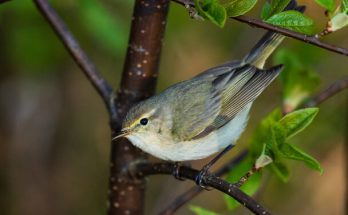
[268, 43]
[263, 49]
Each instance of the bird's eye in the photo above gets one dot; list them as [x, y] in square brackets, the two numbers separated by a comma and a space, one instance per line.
[144, 121]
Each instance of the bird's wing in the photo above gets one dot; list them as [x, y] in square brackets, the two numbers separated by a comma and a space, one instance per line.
[220, 69]
[196, 105]
[246, 85]
[207, 103]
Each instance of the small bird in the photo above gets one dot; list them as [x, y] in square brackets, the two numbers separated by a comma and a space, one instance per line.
[198, 117]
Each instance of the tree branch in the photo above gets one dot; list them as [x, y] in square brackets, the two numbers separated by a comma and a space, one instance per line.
[142, 170]
[314, 40]
[126, 195]
[187, 196]
[330, 91]
[86, 65]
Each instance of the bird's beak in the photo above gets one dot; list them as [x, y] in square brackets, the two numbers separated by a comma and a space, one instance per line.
[124, 132]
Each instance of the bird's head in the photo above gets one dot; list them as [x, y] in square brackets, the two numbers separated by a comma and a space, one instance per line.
[141, 119]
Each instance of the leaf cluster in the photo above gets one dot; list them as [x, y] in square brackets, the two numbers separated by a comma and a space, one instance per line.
[217, 11]
[338, 17]
[298, 78]
[270, 146]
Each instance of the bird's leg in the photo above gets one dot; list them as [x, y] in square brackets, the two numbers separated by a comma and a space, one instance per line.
[204, 170]
[176, 171]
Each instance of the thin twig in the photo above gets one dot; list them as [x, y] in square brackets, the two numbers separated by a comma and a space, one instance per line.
[66, 37]
[194, 191]
[314, 40]
[142, 170]
[329, 92]
[246, 177]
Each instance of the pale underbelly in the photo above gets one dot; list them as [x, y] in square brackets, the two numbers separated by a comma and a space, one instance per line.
[196, 149]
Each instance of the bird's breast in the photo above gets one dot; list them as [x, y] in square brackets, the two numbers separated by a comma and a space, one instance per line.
[165, 147]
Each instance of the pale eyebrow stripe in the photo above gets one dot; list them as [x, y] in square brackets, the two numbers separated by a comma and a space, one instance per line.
[145, 115]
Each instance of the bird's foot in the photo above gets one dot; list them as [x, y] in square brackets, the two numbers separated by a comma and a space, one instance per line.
[176, 172]
[201, 175]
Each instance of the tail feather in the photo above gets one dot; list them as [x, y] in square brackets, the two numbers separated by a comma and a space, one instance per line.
[263, 49]
[268, 43]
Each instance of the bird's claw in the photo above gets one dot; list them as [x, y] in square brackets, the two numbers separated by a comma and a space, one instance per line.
[200, 176]
[176, 172]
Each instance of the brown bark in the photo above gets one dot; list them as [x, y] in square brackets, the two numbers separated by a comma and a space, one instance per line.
[126, 195]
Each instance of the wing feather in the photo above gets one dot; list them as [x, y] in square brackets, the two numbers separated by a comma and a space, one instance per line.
[207, 103]
[245, 88]
[196, 106]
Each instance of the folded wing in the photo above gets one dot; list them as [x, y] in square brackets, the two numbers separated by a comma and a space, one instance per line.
[211, 101]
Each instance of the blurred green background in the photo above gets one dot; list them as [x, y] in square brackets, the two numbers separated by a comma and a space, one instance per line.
[54, 134]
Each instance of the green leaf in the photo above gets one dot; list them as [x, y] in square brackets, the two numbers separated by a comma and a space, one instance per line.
[291, 152]
[239, 7]
[24, 42]
[339, 21]
[278, 6]
[344, 6]
[296, 121]
[266, 11]
[327, 4]
[212, 10]
[292, 20]
[299, 85]
[281, 170]
[278, 133]
[249, 187]
[262, 132]
[103, 26]
[201, 211]
[276, 139]
[298, 79]
[263, 160]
